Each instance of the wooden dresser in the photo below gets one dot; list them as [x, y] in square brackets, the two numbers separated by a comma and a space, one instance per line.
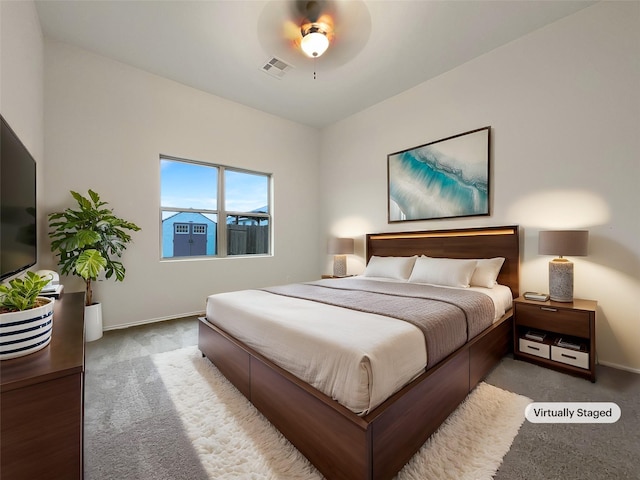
[42, 402]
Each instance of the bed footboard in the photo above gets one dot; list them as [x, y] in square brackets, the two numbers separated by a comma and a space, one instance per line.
[402, 424]
[341, 444]
[333, 438]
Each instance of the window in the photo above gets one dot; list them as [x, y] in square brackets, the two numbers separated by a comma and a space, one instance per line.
[196, 197]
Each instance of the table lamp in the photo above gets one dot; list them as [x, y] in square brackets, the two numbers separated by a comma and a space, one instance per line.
[339, 248]
[561, 243]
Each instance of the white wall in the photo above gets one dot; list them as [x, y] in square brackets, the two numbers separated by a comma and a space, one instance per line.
[564, 107]
[106, 125]
[21, 84]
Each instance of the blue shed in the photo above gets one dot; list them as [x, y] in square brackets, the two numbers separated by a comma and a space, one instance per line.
[188, 234]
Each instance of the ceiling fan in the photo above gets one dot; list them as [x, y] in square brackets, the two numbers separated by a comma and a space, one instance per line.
[297, 29]
[311, 25]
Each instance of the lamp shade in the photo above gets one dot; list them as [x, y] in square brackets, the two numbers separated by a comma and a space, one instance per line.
[340, 246]
[563, 242]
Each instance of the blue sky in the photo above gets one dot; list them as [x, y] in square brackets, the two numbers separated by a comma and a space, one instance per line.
[191, 185]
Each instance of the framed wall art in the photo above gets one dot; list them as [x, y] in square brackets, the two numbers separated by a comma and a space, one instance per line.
[442, 179]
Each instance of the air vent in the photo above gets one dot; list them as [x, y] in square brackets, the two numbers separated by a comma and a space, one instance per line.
[276, 67]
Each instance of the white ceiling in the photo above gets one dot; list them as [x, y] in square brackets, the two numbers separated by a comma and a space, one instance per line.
[380, 49]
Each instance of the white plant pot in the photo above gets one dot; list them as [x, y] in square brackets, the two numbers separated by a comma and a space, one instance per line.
[92, 322]
[27, 331]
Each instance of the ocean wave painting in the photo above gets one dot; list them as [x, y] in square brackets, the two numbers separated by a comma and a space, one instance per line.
[443, 179]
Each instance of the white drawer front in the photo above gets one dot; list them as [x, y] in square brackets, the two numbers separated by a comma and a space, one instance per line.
[571, 357]
[534, 348]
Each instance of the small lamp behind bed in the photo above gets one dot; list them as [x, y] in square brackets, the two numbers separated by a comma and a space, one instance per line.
[340, 248]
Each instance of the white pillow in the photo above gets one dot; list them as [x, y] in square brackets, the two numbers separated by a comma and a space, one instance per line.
[487, 271]
[450, 272]
[390, 267]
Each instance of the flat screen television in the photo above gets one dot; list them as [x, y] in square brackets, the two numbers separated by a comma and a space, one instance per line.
[18, 240]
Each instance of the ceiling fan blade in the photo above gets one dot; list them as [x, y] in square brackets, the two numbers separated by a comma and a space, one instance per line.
[291, 30]
[310, 10]
[306, 10]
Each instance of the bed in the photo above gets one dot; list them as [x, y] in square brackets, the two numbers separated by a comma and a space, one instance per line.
[374, 440]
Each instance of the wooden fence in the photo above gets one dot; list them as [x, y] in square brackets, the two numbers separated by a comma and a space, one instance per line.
[246, 239]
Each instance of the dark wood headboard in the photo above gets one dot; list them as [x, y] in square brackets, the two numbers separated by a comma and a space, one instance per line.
[484, 242]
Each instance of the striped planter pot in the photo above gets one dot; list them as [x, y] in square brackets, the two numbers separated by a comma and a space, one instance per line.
[25, 332]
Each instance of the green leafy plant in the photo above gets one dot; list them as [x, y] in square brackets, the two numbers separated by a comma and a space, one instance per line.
[89, 239]
[22, 293]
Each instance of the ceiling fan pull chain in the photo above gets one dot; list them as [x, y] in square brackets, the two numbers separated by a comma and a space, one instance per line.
[315, 61]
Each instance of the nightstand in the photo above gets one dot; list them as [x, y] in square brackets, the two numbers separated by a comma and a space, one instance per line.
[557, 335]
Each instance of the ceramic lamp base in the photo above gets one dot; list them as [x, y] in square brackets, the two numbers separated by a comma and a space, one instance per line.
[340, 266]
[561, 280]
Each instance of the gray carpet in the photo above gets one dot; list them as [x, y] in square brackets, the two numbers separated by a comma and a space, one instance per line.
[572, 451]
[132, 430]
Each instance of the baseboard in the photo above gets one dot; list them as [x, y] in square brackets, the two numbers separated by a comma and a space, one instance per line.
[154, 320]
[619, 367]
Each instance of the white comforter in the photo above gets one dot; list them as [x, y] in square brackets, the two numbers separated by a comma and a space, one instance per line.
[356, 358]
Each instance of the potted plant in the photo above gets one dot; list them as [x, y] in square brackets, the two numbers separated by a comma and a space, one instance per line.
[88, 240]
[26, 319]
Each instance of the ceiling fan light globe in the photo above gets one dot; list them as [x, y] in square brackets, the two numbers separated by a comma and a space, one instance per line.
[314, 44]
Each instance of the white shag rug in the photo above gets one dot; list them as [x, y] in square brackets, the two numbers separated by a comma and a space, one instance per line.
[233, 440]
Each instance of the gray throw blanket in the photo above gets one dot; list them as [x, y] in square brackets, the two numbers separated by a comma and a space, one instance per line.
[447, 317]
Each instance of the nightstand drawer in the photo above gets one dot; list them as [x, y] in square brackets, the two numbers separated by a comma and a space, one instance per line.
[570, 357]
[533, 348]
[552, 319]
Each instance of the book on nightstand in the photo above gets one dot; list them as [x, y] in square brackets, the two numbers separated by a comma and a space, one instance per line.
[566, 344]
[537, 336]
[539, 297]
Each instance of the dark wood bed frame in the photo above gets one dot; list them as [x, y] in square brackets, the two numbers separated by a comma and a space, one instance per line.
[341, 444]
